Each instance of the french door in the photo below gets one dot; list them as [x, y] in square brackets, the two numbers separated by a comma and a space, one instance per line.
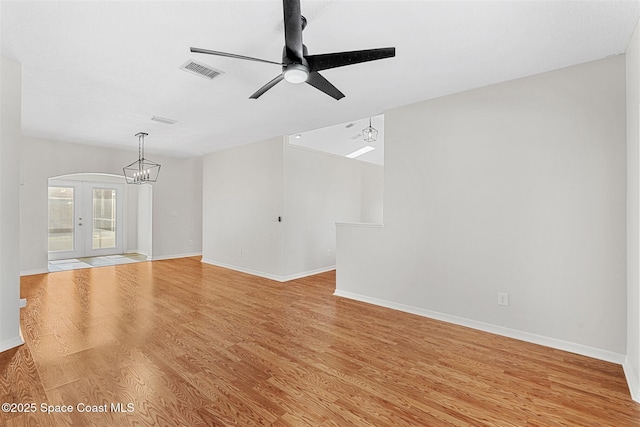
[85, 219]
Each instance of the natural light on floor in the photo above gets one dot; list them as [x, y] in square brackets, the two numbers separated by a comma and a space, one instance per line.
[99, 261]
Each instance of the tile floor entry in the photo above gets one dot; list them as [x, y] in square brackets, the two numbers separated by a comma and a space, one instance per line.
[98, 261]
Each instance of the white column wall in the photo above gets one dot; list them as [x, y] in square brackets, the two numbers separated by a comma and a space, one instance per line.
[10, 139]
[632, 361]
[145, 220]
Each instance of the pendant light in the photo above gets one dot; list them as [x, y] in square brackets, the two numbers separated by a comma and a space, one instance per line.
[142, 170]
[370, 133]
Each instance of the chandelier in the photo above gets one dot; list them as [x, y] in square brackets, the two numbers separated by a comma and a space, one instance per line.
[142, 170]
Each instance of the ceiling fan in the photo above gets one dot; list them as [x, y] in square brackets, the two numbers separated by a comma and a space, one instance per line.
[297, 65]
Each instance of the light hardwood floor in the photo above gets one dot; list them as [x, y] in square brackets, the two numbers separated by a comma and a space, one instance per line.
[189, 344]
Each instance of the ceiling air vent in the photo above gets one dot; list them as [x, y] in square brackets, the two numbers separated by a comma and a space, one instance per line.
[356, 136]
[201, 69]
[163, 120]
[350, 125]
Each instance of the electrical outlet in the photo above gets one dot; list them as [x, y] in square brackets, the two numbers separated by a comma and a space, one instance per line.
[240, 252]
[190, 242]
[503, 298]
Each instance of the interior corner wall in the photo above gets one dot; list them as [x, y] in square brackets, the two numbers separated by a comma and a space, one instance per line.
[632, 361]
[247, 189]
[319, 191]
[10, 140]
[517, 188]
[177, 209]
[242, 200]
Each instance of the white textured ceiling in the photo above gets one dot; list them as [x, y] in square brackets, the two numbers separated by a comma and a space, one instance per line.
[95, 72]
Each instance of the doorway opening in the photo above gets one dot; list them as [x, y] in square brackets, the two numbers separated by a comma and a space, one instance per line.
[95, 220]
[85, 219]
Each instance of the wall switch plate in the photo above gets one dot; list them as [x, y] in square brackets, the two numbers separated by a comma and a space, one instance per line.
[503, 298]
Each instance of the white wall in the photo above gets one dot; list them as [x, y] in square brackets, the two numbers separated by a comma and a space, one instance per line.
[632, 362]
[320, 190]
[131, 218]
[10, 139]
[144, 220]
[242, 198]
[177, 208]
[247, 188]
[516, 188]
[372, 193]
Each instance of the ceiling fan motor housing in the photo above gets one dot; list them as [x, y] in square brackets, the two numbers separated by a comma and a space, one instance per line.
[295, 71]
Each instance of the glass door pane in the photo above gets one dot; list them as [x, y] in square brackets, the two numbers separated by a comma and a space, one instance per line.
[85, 219]
[61, 219]
[104, 218]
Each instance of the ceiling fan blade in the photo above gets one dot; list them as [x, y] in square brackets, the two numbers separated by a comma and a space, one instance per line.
[320, 83]
[340, 59]
[231, 55]
[266, 87]
[293, 30]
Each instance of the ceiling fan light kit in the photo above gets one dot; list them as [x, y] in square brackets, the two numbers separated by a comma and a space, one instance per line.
[296, 73]
[299, 67]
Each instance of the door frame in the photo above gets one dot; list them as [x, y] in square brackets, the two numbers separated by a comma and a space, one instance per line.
[83, 215]
[88, 188]
[78, 243]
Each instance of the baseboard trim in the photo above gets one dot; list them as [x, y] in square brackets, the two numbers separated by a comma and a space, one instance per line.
[136, 251]
[632, 380]
[276, 277]
[175, 256]
[308, 273]
[571, 347]
[242, 269]
[11, 343]
[33, 272]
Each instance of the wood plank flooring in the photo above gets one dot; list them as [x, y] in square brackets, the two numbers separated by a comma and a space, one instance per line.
[189, 344]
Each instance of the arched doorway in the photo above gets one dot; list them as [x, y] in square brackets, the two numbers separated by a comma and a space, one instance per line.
[97, 219]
